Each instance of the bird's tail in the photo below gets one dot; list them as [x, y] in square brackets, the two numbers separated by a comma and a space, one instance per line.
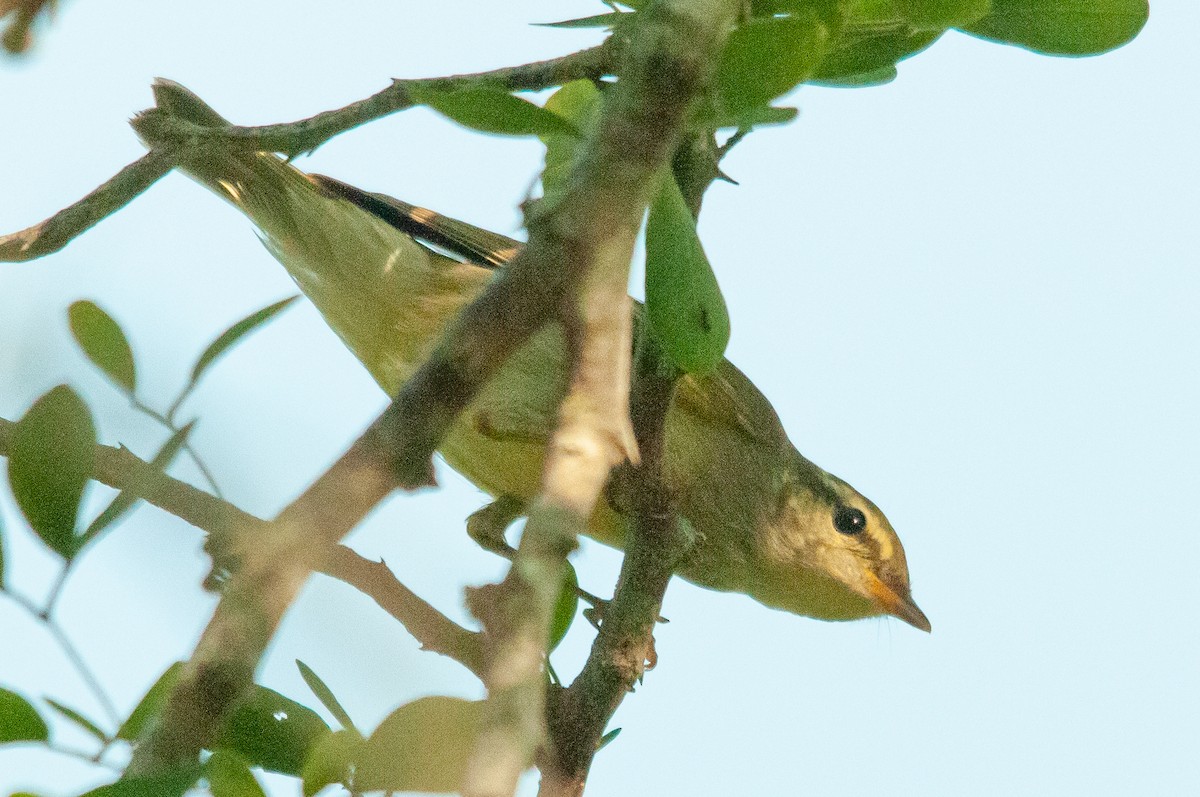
[384, 294]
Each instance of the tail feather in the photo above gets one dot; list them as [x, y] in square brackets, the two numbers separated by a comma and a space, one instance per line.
[385, 294]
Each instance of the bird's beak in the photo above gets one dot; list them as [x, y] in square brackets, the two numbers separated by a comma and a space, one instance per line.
[897, 603]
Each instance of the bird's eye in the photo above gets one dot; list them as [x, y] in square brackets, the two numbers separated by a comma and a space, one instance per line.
[849, 520]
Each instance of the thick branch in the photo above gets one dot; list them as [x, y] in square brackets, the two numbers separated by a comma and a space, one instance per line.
[655, 543]
[624, 648]
[581, 246]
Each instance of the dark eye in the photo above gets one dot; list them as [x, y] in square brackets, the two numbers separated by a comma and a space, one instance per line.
[849, 520]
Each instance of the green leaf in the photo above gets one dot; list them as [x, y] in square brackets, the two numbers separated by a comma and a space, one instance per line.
[579, 103]
[49, 462]
[491, 110]
[755, 117]
[683, 301]
[1063, 27]
[766, 58]
[608, 738]
[172, 784]
[272, 731]
[333, 759]
[867, 54]
[941, 14]
[421, 746]
[565, 607]
[609, 20]
[79, 719]
[875, 77]
[129, 496]
[235, 333]
[19, 720]
[2, 583]
[151, 705]
[104, 343]
[229, 775]
[325, 695]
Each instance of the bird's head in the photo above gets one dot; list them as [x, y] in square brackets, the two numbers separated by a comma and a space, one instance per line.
[828, 552]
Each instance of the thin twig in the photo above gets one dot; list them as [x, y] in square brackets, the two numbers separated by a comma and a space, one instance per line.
[57, 231]
[305, 135]
[431, 628]
[70, 651]
[168, 422]
[292, 139]
[231, 530]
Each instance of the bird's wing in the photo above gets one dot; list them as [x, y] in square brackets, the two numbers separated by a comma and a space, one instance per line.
[723, 397]
[474, 244]
[728, 397]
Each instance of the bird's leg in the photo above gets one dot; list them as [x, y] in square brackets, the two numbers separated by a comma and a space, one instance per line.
[487, 525]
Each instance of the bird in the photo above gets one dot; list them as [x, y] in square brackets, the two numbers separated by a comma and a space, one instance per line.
[388, 277]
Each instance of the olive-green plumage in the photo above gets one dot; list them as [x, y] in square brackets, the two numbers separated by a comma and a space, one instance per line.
[769, 523]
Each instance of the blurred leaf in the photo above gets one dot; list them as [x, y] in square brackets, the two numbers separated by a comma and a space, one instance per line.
[2, 571]
[421, 746]
[565, 607]
[173, 784]
[151, 705]
[104, 343]
[49, 462]
[18, 36]
[599, 21]
[941, 14]
[1063, 27]
[19, 720]
[325, 695]
[579, 103]
[272, 731]
[495, 111]
[129, 496]
[77, 718]
[855, 55]
[607, 738]
[875, 77]
[332, 760]
[683, 301]
[235, 333]
[765, 58]
[229, 775]
[755, 117]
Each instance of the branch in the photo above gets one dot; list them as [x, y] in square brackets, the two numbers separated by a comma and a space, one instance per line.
[655, 543]
[578, 254]
[305, 135]
[293, 138]
[432, 629]
[624, 648]
[123, 470]
[229, 529]
[54, 233]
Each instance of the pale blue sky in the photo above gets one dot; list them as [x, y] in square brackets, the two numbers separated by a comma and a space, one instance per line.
[971, 293]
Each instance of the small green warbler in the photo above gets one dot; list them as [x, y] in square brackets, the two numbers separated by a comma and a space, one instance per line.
[388, 276]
